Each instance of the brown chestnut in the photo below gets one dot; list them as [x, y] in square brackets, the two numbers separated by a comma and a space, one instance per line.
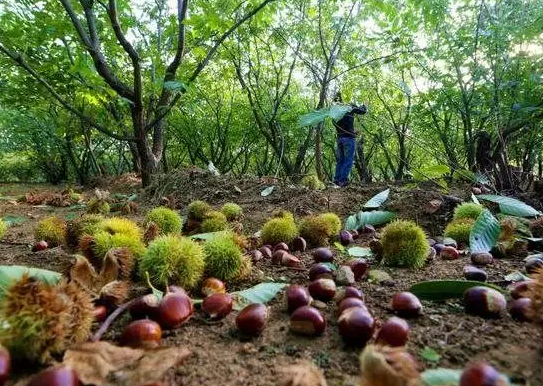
[5, 365]
[145, 307]
[348, 303]
[359, 268]
[406, 304]
[394, 332]
[518, 290]
[255, 255]
[308, 321]
[175, 289]
[217, 305]
[252, 319]
[323, 255]
[322, 289]
[449, 253]
[40, 246]
[212, 285]
[519, 309]
[368, 229]
[482, 258]
[281, 247]
[320, 270]
[474, 273]
[484, 301]
[100, 314]
[174, 310]
[266, 252]
[297, 296]
[142, 333]
[355, 234]
[482, 374]
[277, 256]
[350, 292]
[299, 244]
[288, 260]
[56, 376]
[356, 326]
[345, 237]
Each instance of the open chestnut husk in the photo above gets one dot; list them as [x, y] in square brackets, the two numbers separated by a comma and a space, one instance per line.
[307, 321]
[174, 310]
[252, 319]
[323, 255]
[519, 309]
[322, 289]
[297, 296]
[484, 301]
[356, 326]
[145, 307]
[142, 333]
[218, 306]
[406, 305]
[394, 332]
[482, 374]
[320, 270]
[56, 376]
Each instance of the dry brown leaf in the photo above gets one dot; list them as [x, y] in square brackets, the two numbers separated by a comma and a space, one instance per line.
[84, 274]
[433, 206]
[104, 364]
[302, 374]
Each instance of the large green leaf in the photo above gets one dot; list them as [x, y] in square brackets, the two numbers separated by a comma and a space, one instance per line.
[441, 377]
[14, 220]
[360, 219]
[512, 206]
[359, 252]
[438, 290]
[431, 172]
[484, 233]
[12, 273]
[377, 200]
[315, 117]
[260, 293]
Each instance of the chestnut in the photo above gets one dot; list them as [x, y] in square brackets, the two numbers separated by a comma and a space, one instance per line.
[277, 256]
[299, 244]
[308, 321]
[211, 286]
[482, 374]
[56, 376]
[475, 190]
[449, 253]
[350, 292]
[484, 301]
[345, 237]
[142, 333]
[355, 234]
[218, 305]
[40, 246]
[266, 252]
[320, 270]
[297, 296]
[474, 273]
[519, 309]
[482, 258]
[256, 255]
[532, 264]
[359, 267]
[349, 303]
[518, 290]
[367, 229]
[394, 332]
[5, 365]
[175, 289]
[174, 310]
[322, 289]
[356, 326]
[145, 307]
[438, 247]
[252, 319]
[100, 314]
[406, 304]
[281, 247]
[376, 247]
[288, 260]
[323, 255]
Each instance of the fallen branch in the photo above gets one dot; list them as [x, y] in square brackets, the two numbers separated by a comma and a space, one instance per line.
[111, 318]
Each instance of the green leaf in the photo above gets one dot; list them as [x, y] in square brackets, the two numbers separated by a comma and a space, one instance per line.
[339, 246]
[70, 216]
[359, 252]
[511, 206]
[377, 200]
[374, 218]
[484, 233]
[430, 354]
[332, 266]
[351, 223]
[260, 293]
[14, 220]
[175, 86]
[474, 199]
[205, 236]
[267, 191]
[438, 290]
[516, 276]
[12, 273]
[315, 117]
[441, 377]
[431, 172]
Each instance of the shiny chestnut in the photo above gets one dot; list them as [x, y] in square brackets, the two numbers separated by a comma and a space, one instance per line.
[322, 289]
[100, 314]
[142, 333]
[394, 332]
[349, 303]
[406, 305]
[281, 247]
[56, 376]
[482, 374]
[307, 321]
[174, 310]
[359, 268]
[484, 301]
[212, 285]
[520, 309]
[474, 273]
[323, 255]
[320, 270]
[297, 296]
[40, 246]
[299, 244]
[266, 252]
[481, 259]
[145, 307]
[356, 326]
[345, 237]
[350, 292]
[449, 253]
[252, 319]
[218, 306]
[518, 290]
[277, 256]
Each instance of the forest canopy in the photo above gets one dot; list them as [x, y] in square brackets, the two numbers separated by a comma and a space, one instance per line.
[96, 87]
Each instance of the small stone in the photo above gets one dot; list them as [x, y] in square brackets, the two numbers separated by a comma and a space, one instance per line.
[345, 276]
[476, 190]
[483, 258]
[319, 305]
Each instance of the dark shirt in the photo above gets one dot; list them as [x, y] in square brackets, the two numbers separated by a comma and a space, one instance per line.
[345, 126]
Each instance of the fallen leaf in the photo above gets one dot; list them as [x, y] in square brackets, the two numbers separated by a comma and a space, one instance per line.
[302, 374]
[103, 364]
[433, 206]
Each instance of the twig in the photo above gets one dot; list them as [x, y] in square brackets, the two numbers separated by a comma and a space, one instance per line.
[111, 318]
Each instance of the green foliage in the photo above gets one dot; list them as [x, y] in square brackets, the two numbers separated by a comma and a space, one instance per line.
[97, 206]
[197, 210]
[122, 225]
[467, 210]
[279, 230]
[333, 221]
[316, 230]
[18, 167]
[232, 211]
[167, 220]
[459, 230]
[214, 222]
[223, 257]
[440, 290]
[51, 229]
[173, 260]
[312, 181]
[3, 228]
[404, 244]
[485, 234]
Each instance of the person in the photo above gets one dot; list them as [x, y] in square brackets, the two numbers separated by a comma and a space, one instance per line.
[346, 142]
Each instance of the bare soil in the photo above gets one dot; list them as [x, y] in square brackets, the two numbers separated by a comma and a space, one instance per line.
[220, 356]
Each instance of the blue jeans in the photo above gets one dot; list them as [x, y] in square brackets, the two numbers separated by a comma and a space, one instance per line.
[345, 159]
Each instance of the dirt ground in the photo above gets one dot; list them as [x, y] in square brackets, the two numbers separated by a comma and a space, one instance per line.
[221, 356]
